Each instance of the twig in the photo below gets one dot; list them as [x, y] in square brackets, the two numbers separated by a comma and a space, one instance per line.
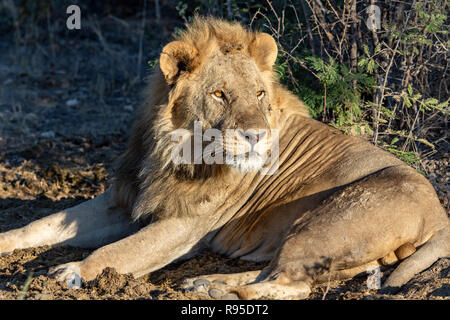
[121, 21]
[328, 285]
[375, 139]
[141, 38]
[308, 28]
[157, 10]
[26, 285]
[229, 11]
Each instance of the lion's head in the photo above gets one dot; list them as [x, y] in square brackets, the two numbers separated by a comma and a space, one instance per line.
[216, 79]
[219, 77]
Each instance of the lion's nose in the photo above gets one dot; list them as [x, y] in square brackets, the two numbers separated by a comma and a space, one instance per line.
[252, 136]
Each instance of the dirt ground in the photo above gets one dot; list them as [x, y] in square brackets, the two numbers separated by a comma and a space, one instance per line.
[66, 105]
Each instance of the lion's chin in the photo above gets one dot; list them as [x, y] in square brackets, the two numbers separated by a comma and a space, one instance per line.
[248, 162]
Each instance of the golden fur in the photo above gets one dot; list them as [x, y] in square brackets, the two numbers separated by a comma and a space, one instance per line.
[147, 161]
[336, 204]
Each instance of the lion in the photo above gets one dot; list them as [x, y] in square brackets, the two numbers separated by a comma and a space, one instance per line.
[333, 207]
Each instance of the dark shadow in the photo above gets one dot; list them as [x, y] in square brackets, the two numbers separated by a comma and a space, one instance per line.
[197, 262]
[14, 269]
[16, 213]
[443, 291]
[445, 272]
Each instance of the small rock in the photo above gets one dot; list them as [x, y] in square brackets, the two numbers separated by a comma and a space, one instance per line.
[128, 108]
[230, 296]
[110, 281]
[48, 134]
[71, 102]
[201, 282]
[141, 289]
[8, 81]
[215, 293]
[42, 296]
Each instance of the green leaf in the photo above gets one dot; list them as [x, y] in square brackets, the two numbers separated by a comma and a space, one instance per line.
[432, 101]
[410, 90]
[371, 66]
[366, 50]
[362, 62]
[426, 142]
[407, 101]
[421, 172]
[377, 49]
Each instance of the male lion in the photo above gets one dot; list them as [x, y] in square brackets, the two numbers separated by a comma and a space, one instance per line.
[335, 206]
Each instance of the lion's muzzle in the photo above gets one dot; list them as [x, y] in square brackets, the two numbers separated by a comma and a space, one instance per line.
[247, 150]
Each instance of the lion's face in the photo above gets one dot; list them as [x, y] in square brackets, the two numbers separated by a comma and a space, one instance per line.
[227, 94]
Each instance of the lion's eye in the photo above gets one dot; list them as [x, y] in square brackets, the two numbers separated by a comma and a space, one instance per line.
[218, 94]
[260, 94]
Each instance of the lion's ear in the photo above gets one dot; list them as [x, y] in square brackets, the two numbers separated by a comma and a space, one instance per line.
[176, 57]
[264, 50]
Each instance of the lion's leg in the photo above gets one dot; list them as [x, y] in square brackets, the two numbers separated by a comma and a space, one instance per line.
[149, 249]
[245, 285]
[221, 286]
[437, 247]
[278, 286]
[90, 224]
[232, 279]
[366, 221]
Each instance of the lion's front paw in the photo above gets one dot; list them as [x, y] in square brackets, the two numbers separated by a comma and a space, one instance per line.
[224, 288]
[210, 288]
[69, 273]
